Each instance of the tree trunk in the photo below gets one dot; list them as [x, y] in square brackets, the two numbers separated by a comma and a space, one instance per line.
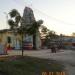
[34, 41]
[22, 45]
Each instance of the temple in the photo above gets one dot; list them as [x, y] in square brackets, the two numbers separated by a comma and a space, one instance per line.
[13, 41]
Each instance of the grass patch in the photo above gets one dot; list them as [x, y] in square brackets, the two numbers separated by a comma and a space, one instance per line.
[28, 66]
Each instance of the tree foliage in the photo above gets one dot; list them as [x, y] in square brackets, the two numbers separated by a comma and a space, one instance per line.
[48, 35]
[13, 13]
[44, 29]
[32, 30]
[15, 19]
[11, 23]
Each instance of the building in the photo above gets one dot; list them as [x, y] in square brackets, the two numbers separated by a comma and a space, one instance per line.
[69, 42]
[10, 40]
[66, 42]
[14, 41]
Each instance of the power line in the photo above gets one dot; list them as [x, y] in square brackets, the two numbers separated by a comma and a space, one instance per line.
[53, 18]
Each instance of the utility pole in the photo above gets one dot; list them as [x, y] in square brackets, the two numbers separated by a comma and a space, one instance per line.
[22, 41]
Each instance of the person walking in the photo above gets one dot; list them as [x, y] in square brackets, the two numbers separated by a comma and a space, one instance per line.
[53, 49]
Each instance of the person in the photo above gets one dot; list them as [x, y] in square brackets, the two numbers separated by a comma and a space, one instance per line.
[53, 49]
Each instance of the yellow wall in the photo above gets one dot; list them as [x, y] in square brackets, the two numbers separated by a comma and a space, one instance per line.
[4, 35]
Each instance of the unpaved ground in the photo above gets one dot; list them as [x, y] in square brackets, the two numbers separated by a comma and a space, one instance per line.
[67, 57]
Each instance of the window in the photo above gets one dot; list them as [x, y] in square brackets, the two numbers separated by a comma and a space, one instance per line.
[9, 39]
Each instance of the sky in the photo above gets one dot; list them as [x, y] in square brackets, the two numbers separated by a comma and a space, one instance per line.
[57, 15]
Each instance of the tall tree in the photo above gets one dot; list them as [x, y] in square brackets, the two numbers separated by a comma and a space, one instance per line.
[14, 21]
[48, 35]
